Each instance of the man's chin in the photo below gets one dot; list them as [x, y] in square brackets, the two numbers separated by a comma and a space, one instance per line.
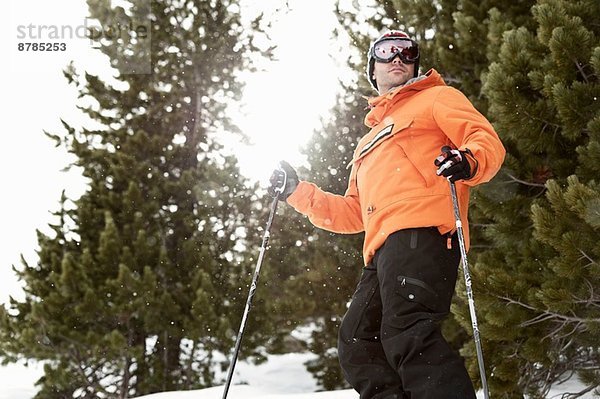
[401, 81]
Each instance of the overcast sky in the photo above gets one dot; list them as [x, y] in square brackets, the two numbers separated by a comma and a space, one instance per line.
[35, 96]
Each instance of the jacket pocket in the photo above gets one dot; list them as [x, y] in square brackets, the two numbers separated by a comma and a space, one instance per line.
[423, 168]
[375, 141]
[418, 291]
[421, 144]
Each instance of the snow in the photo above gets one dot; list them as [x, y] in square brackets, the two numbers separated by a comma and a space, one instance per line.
[249, 392]
[281, 373]
[285, 377]
[281, 377]
[17, 381]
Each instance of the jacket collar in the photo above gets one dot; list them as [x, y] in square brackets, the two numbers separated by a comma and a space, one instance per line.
[380, 104]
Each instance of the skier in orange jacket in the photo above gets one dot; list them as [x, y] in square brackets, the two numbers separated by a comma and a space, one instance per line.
[390, 344]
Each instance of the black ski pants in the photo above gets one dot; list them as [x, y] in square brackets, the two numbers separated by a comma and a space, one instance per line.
[390, 344]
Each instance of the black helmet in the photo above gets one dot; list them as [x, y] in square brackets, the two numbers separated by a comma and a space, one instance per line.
[412, 57]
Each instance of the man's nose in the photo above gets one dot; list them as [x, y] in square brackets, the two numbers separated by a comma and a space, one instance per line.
[396, 59]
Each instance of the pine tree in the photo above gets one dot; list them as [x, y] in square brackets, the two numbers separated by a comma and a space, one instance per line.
[541, 276]
[137, 288]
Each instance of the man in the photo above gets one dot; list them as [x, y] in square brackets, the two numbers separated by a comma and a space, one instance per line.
[390, 343]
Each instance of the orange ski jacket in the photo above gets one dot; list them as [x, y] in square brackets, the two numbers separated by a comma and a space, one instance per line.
[393, 183]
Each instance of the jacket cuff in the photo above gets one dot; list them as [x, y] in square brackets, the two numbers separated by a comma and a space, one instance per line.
[299, 194]
[473, 163]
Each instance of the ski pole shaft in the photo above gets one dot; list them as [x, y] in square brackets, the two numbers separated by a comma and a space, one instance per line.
[263, 249]
[468, 283]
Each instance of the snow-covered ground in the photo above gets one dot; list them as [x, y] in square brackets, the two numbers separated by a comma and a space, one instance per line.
[249, 392]
[281, 377]
[285, 377]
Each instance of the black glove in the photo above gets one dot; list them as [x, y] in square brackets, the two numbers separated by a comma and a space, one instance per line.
[454, 165]
[284, 181]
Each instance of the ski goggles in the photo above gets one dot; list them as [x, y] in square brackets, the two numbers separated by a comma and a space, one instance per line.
[387, 49]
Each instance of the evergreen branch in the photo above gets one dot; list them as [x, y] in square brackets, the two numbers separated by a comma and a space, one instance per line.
[593, 300]
[582, 72]
[569, 395]
[449, 79]
[541, 380]
[574, 331]
[90, 376]
[481, 246]
[546, 315]
[482, 225]
[586, 256]
[556, 126]
[535, 379]
[526, 183]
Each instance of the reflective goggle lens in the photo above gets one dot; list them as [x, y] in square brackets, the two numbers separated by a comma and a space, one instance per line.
[386, 50]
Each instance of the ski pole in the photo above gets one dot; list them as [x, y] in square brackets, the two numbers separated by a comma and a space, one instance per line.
[263, 248]
[465, 263]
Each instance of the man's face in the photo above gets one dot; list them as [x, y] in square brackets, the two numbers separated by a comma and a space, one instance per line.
[392, 74]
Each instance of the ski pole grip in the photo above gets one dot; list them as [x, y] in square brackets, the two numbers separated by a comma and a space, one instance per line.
[281, 188]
